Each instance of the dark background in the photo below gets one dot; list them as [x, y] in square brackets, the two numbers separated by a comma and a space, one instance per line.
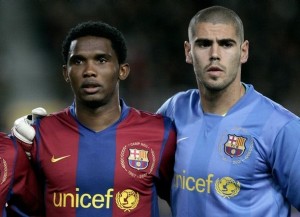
[32, 32]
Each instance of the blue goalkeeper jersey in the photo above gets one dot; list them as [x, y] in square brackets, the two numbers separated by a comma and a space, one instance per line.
[245, 163]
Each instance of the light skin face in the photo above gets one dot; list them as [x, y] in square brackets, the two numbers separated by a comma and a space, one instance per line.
[216, 53]
[94, 72]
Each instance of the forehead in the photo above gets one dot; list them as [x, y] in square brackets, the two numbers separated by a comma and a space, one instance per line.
[89, 44]
[210, 30]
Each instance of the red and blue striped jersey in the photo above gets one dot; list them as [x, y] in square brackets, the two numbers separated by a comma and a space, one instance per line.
[18, 183]
[118, 171]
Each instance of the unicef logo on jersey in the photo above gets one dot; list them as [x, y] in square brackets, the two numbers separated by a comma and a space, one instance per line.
[227, 187]
[127, 200]
[236, 146]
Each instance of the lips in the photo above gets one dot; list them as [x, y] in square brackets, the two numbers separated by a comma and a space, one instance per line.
[214, 71]
[90, 87]
[214, 68]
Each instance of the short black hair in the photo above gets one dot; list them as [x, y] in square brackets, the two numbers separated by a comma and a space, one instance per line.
[98, 29]
[218, 14]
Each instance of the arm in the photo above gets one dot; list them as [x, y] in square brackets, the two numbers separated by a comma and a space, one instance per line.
[8, 154]
[166, 168]
[19, 188]
[25, 194]
[285, 161]
[26, 198]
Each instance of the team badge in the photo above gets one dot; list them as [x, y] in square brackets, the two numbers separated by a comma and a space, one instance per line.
[138, 158]
[127, 200]
[227, 187]
[235, 146]
[3, 170]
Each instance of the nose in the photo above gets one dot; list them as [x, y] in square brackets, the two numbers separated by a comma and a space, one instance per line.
[214, 55]
[89, 70]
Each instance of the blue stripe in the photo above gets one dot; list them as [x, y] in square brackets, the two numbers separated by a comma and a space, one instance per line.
[96, 166]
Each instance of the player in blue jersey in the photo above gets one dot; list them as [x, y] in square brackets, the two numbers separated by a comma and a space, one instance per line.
[238, 152]
[100, 157]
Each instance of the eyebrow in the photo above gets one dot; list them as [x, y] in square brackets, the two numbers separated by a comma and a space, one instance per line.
[227, 40]
[219, 40]
[99, 55]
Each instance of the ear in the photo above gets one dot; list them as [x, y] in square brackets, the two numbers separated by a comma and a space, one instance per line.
[65, 73]
[244, 51]
[187, 51]
[124, 71]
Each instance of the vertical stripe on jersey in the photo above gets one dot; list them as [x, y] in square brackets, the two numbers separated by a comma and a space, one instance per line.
[130, 131]
[96, 163]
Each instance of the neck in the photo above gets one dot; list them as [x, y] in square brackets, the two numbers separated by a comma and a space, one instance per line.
[219, 102]
[100, 118]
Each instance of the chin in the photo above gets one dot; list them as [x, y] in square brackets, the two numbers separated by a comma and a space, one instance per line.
[94, 103]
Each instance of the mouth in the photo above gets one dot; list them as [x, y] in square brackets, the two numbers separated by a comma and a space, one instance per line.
[214, 71]
[90, 87]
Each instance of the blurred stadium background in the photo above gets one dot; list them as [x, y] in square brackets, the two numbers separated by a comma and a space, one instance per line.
[32, 32]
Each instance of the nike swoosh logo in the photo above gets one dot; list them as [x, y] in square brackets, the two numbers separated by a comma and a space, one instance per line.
[54, 160]
[181, 139]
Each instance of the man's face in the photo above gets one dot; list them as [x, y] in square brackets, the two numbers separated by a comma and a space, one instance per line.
[216, 53]
[93, 71]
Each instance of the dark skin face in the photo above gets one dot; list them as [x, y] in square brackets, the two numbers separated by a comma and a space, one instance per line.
[94, 72]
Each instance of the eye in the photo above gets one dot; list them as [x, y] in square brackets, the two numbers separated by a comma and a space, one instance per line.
[203, 43]
[102, 60]
[75, 60]
[78, 61]
[227, 44]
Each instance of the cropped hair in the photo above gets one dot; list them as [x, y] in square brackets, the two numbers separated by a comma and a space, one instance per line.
[218, 14]
[98, 29]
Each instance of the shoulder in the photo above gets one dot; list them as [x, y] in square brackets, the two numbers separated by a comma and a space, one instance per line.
[147, 121]
[60, 114]
[273, 114]
[147, 116]
[7, 147]
[4, 139]
[189, 98]
[265, 105]
[60, 118]
[275, 109]
[185, 96]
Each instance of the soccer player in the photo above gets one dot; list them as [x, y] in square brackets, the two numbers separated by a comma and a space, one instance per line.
[100, 157]
[238, 152]
[17, 178]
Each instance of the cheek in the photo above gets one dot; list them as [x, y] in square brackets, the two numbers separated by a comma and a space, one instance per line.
[198, 63]
[200, 57]
[74, 81]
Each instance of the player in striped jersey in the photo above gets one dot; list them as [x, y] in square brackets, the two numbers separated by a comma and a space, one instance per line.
[238, 152]
[100, 157]
[15, 174]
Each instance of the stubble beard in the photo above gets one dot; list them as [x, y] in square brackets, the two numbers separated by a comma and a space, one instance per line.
[215, 86]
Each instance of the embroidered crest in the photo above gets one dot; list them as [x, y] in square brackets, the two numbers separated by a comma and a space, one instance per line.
[235, 145]
[138, 158]
[127, 199]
